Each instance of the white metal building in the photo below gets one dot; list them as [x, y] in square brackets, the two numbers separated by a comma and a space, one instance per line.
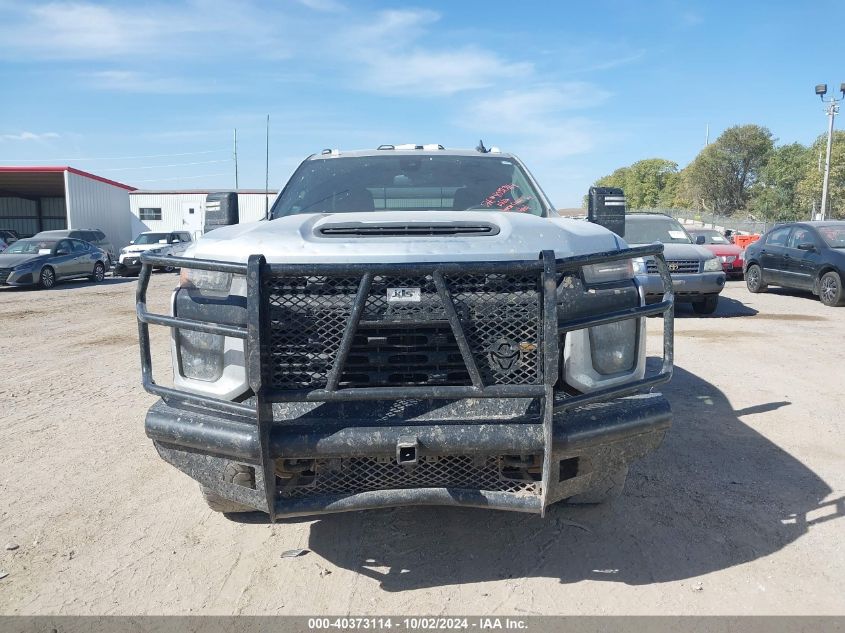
[177, 210]
[34, 199]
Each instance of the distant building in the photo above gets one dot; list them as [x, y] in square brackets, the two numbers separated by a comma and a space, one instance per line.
[184, 210]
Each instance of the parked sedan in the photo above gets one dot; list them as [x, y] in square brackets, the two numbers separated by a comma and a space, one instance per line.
[729, 255]
[805, 255]
[43, 262]
[92, 236]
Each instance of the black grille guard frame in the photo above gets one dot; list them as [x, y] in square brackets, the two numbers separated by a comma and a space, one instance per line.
[256, 335]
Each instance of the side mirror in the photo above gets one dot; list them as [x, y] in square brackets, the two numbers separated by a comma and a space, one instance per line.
[221, 209]
[131, 242]
[806, 246]
[606, 207]
[700, 239]
[63, 251]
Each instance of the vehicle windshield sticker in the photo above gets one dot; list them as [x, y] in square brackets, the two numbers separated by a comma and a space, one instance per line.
[498, 199]
[43, 251]
[677, 235]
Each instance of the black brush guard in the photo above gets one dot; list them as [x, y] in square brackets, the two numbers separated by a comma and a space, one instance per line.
[246, 431]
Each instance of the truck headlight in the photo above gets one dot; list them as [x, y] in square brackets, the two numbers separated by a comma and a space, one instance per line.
[712, 265]
[608, 271]
[205, 280]
[639, 265]
[200, 355]
[614, 346]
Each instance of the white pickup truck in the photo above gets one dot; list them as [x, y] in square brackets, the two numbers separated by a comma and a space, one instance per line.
[410, 326]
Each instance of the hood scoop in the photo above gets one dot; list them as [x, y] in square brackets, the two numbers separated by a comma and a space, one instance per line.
[406, 229]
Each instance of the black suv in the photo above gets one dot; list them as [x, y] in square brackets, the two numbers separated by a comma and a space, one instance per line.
[804, 255]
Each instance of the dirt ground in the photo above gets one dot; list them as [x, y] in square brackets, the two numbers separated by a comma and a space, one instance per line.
[739, 511]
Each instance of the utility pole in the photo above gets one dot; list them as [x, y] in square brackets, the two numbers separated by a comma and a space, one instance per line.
[707, 136]
[236, 159]
[267, 172]
[832, 109]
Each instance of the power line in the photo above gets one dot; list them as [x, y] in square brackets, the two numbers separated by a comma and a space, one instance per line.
[76, 158]
[183, 177]
[202, 162]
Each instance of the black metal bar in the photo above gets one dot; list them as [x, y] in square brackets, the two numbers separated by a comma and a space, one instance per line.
[550, 366]
[339, 363]
[607, 393]
[410, 269]
[258, 319]
[457, 329]
[199, 264]
[407, 497]
[144, 329]
[185, 397]
[189, 324]
[613, 317]
[668, 315]
[446, 392]
[577, 261]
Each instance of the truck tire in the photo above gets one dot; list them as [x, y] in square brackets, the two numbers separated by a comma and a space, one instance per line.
[607, 488]
[830, 289]
[707, 305]
[234, 474]
[754, 279]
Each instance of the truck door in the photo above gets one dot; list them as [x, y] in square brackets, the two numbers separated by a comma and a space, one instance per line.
[802, 264]
[772, 257]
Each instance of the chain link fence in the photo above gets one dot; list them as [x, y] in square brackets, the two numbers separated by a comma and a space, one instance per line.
[718, 222]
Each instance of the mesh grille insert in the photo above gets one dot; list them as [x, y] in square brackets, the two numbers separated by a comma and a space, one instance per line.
[363, 474]
[405, 342]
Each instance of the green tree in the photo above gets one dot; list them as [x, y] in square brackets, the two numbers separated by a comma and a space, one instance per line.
[722, 175]
[809, 188]
[775, 195]
[646, 180]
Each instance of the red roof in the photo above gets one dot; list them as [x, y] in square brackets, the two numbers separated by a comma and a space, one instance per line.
[67, 168]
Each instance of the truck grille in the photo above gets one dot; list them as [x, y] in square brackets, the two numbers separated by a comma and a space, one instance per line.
[405, 342]
[676, 266]
[4, 274]
[364, 474]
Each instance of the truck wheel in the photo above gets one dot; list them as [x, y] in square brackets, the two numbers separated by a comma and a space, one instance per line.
[830, 290]
[754, 279]
[707, 305]
[234, 474]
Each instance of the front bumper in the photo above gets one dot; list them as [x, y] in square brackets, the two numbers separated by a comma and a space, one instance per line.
[586, 442]
[19, 278]
[342, 444]
[687, 287]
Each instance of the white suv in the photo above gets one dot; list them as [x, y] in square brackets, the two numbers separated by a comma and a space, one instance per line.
[165, 243]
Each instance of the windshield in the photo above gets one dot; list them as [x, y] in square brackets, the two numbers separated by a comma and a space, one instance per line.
[33, 247]
[833, 235]
[711, 237]
[408, 183]
[648, 229]
[150, 238]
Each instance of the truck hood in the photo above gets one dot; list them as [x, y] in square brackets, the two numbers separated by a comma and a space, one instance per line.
[675, 250]
[723, 249]
[455, 236]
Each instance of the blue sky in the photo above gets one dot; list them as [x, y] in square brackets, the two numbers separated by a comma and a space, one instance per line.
[149, 94]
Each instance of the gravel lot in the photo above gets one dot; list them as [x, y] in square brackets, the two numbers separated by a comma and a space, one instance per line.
[739, 512]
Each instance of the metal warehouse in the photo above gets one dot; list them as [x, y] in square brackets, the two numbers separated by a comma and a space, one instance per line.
[185, 210]
[34, 199]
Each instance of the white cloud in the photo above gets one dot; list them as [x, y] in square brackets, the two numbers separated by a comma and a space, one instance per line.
[30, 136]
[537, 120]
[323, 5]
[390, 59]
[139, 82]
[82, 30]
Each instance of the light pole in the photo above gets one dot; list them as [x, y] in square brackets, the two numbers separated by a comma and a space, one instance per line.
[832, 109]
